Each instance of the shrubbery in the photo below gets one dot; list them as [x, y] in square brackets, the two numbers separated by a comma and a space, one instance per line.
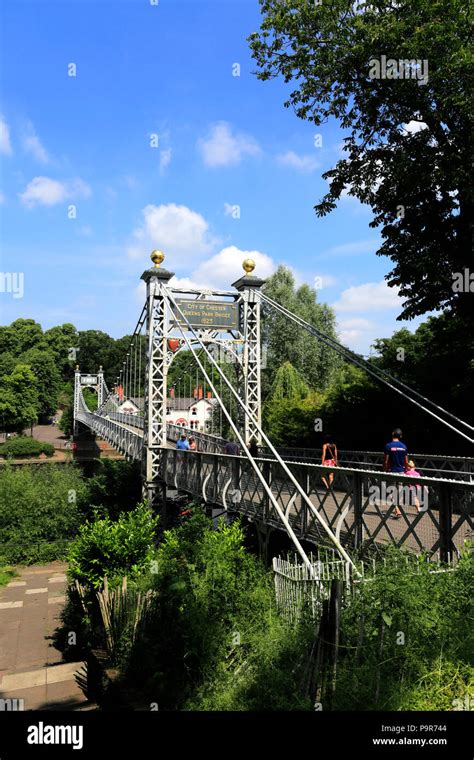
[113, 548]
[408, 638]
[215, 641]
[25, 447]
[40, 511]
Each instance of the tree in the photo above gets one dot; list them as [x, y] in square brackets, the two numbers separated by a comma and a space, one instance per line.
[62, 339]
[95, 348]
[47, 379]
[290, 408]
[288, 385]
[18, 399]
[398, 77]
[285, 342]
[21, 335]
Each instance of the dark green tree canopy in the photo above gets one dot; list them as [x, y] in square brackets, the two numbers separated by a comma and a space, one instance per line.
[416, 179]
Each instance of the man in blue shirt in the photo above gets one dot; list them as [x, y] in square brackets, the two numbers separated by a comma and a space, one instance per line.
[395, 454]
[182, 443]
[395, 459]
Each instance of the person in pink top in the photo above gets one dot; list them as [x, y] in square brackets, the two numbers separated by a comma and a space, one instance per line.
[413, 473]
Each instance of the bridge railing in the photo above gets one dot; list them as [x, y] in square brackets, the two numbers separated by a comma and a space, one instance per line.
[204, 441]
[358, 507]
[128, 442]
[134, 420]
[431, 465]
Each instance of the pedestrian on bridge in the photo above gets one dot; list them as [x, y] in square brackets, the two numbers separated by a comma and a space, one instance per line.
[253, 448]
[396, 460]
[232, 448]
[329, 457]
[192, 444]
[182, 444]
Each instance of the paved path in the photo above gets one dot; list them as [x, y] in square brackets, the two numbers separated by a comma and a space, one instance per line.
[31, 668]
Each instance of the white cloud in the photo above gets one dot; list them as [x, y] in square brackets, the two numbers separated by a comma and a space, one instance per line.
[353, 248]
[372, 296]
[165, 158]
[306, 163]
[5, 144]
[223, 148]
[222, 269]
[356, 323]
[47, 192]
[32, 144]
[414, 126]
[181, 233]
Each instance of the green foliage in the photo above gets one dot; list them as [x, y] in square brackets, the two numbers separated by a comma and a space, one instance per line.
[291, 423]
[416, 182]
[19, 401]
[288, 385]
[47, 380]
[115, 487]
[20, 336]
[90, 398]
[289, 410]
[435, 359]
[40, 511]
[60, 340]
[113, 548]
[66, 423]
[285, 342]
[215, 617]
[407, 638]
[25, 447]
[7, 574]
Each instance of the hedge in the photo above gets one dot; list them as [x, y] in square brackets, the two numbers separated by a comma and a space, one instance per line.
[25, 447]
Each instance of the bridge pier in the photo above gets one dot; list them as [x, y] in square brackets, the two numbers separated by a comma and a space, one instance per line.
[264, 532]
[155, 492]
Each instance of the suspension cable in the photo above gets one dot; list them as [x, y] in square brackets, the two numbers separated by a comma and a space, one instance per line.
[350, 356]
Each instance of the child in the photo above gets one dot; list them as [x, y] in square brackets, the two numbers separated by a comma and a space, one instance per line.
[413, 473]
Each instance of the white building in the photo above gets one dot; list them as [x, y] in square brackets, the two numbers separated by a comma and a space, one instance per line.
[129, 406]
[190, 412]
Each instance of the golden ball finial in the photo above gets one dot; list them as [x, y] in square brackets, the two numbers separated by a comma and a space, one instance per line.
[157, 257]
[248, 265]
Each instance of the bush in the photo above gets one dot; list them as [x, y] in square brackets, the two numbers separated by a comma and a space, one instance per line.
[215, 641]
[40, 511]
[115, 487]
[113, 548]
[407, 637]
[25, 447]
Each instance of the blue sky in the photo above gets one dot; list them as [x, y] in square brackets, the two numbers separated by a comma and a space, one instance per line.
[154, 142]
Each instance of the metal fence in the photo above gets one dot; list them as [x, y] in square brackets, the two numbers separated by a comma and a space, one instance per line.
[359, 506]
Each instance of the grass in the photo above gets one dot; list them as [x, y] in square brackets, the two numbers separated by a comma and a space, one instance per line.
[7, 572]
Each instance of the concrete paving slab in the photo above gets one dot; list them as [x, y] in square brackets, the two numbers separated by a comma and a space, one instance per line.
[31, 668]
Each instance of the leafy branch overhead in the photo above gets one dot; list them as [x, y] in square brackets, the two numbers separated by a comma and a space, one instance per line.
[408, 144]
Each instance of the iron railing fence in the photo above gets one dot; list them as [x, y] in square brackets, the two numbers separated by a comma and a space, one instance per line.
[437, 515]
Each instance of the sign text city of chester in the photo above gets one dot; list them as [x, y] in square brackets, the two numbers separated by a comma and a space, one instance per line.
[208, 314]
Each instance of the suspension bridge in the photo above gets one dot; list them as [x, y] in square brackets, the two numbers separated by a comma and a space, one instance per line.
[280, 489]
